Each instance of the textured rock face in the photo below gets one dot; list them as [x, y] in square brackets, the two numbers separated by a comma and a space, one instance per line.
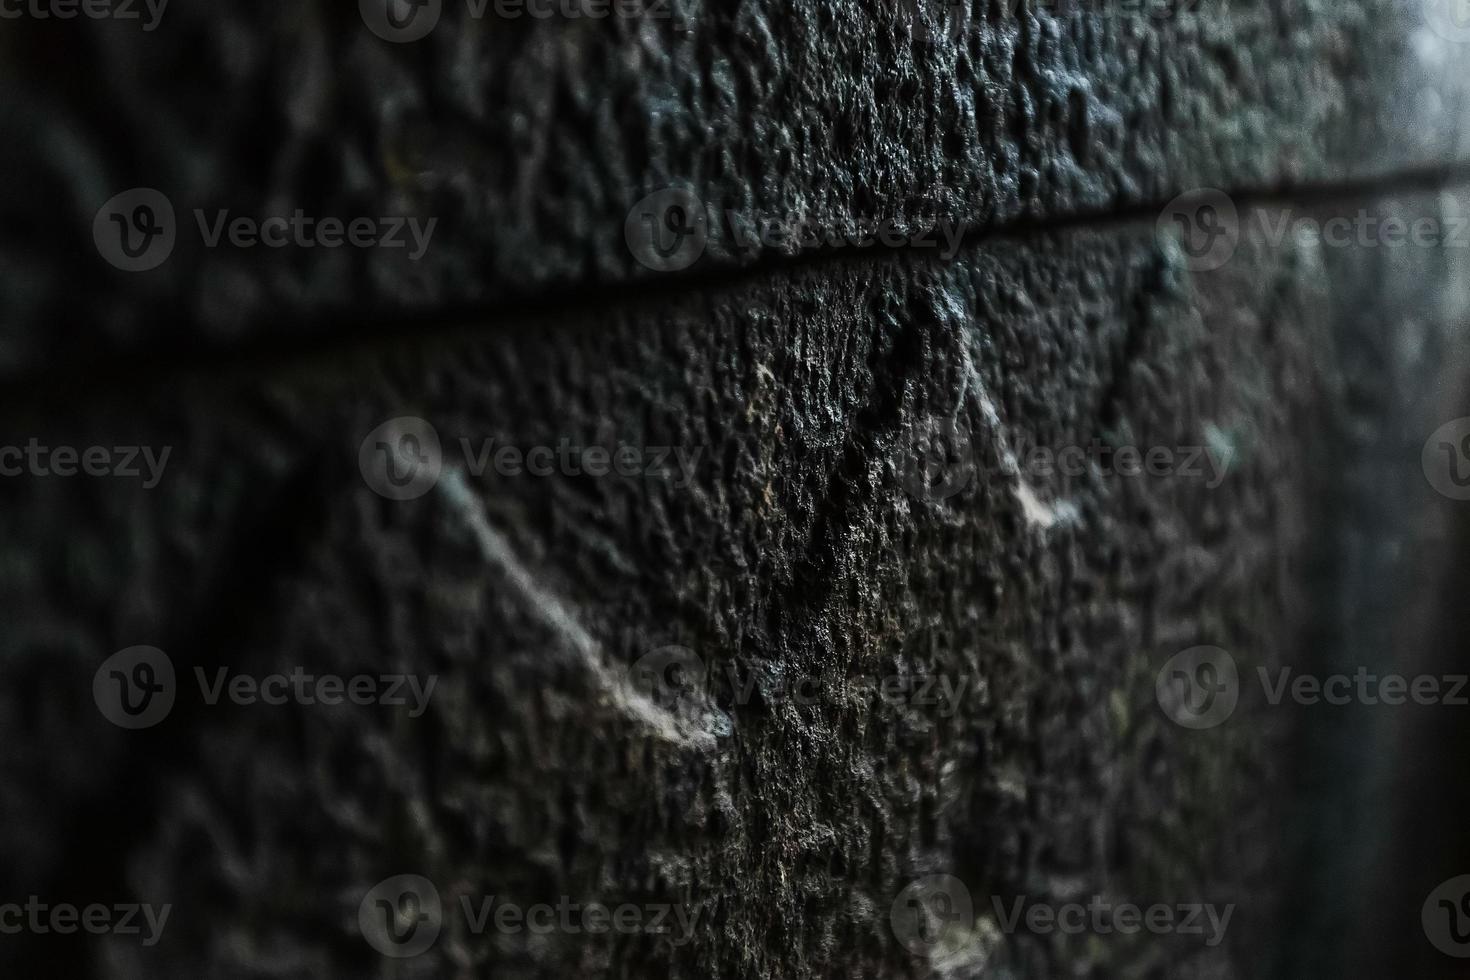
[528, 140]
[760, 588]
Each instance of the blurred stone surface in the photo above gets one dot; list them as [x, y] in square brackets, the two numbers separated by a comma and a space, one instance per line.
[796, 540]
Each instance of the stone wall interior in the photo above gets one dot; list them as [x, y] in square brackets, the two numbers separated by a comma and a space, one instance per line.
[771, 489]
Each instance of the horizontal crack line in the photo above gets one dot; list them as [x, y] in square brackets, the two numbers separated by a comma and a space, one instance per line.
[337, 332]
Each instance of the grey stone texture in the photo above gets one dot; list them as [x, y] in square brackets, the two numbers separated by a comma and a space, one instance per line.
[789, 540]
[529, 140]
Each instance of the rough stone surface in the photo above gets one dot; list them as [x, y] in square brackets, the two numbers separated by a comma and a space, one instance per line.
[530, 141]
[802, 548]
[796, 551]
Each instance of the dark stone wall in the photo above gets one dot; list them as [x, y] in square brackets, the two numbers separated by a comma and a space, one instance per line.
[785, 535]
[529, 140]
